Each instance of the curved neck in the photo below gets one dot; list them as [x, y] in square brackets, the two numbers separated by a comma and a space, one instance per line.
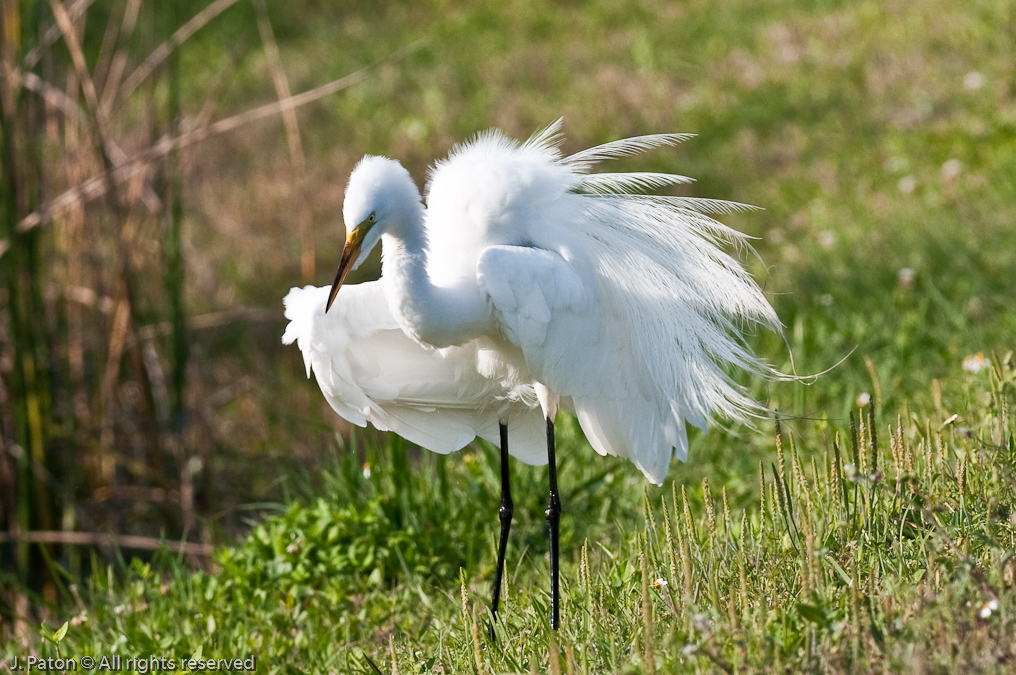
[439, 316]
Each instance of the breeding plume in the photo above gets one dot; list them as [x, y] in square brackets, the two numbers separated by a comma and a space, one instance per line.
[530, 281]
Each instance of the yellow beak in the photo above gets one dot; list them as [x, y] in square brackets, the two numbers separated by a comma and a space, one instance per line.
[350, 252]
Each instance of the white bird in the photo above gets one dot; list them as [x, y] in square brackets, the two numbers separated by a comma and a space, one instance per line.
[621, 306]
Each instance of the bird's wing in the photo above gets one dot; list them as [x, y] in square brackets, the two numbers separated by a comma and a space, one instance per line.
[665, 308]
[571, 343]
[369, 370]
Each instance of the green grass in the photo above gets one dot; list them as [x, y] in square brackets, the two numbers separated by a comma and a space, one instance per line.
[858, 128]
[854, 552]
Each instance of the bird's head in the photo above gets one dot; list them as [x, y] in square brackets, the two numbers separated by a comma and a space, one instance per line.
[380, 197]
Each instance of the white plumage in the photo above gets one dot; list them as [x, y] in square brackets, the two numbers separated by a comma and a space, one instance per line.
[530, 280]
[368, 370]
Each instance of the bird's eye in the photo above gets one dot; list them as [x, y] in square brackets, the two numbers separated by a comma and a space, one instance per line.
[370, 218]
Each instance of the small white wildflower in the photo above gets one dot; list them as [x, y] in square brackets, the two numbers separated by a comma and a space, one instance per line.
[950, 169]
[985, 612]
[863, 400]
[827, 239]
[975, 363]
[659, 583]
[826, 299]
[973, 80]
[366, 470]
[906, 278]
[907, 185]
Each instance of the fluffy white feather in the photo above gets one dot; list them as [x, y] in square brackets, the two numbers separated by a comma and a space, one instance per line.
[369, 370]
[625, 305]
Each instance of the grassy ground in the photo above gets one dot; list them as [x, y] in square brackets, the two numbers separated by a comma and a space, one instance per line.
[881, 140]
[883, 548]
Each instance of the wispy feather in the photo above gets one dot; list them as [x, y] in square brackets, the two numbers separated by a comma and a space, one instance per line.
[585, 160]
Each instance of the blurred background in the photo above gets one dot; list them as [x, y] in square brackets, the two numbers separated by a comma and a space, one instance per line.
[164, 185]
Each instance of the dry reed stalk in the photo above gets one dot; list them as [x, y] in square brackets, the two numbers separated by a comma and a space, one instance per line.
[52, 34]
[118, 337]
[297, 159]
[110, 540]
[74, 271]
[47, 92]
[98, 184]
[156, 57]
[117, 58]
[71, 39]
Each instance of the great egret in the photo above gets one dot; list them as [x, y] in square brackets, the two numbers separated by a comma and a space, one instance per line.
[621, 306]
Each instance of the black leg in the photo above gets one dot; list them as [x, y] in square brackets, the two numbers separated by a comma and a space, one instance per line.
[553, 514]
[507, 509]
